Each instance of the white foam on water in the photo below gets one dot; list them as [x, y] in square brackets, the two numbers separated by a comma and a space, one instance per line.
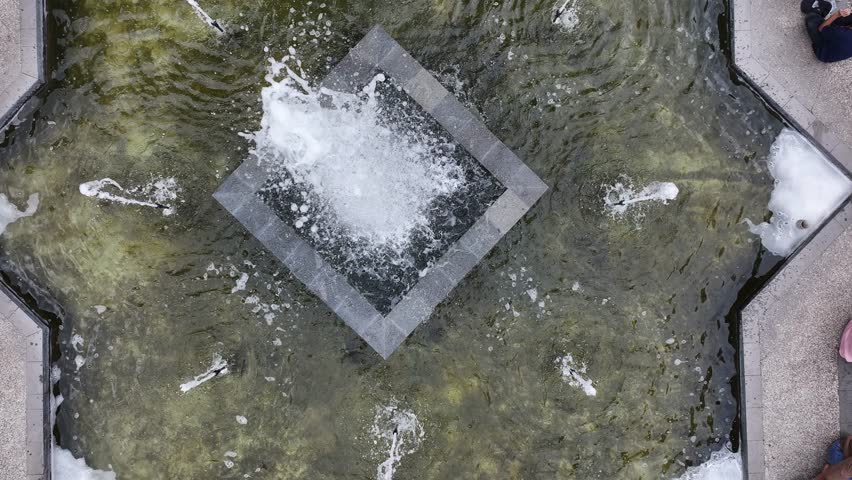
[218, 368]
[160, 193]
[722, 465]
[9, 213]
[622, 195]
[574, 374]
[807, 187]
[376, 180]
[65, 467]
[397, 431]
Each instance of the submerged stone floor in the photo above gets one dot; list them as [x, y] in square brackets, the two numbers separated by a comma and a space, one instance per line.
[796, 390]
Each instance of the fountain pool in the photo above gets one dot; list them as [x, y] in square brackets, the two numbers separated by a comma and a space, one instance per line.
[589, 343]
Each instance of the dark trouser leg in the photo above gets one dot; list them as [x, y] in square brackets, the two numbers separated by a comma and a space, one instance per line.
[812, 23]
[843, 21]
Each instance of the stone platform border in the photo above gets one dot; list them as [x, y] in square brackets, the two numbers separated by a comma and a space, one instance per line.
[792, 106]
[35, 334]
[31, 75]
[378, 52]
[797, 112]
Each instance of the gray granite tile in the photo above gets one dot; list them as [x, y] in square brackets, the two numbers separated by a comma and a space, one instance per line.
[754, 424]
[755, 455]
[254, 214]
[506, 211]
[480, 239]
[35, 458]
[526, 185]
[279, 239]
[34, 374]
[24, 323]
[35, 347]
[384, 337]
[425, 90]
[454, 117]
[410, 312]
[305, 263]
[349, 76]
[357, 313]
[843, 154]
[399, 64]
[456, 263]
[502, 163]
[374, 47]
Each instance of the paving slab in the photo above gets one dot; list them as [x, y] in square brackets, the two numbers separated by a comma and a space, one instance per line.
[24, 417]
[21, 54]
[790, 362]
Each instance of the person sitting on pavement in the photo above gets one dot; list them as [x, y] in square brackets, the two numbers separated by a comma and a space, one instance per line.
[831, 37]
[839, 461]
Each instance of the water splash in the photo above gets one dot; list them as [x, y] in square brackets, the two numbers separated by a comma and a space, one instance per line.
[565, 16]
[722, 465]
[218, 368]
[375, 179]
[573, 374]
[160, 193]
[203, 15]
[622, 195]
[399, 432]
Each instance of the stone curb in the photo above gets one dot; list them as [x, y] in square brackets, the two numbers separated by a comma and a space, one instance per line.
[793, 108]
[35, 335]
[30, 76]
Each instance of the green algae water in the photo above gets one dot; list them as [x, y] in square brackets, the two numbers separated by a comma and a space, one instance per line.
[590, 343]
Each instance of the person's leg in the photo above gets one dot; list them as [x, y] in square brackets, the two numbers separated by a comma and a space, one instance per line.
[812, 23]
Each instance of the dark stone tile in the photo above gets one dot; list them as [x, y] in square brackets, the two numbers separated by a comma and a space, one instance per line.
[506, 211]
[305, 263]
[332, 288]
[232, 186]
[349, 76]
[425, 90]
[357, 313]
[477, 139]
[384, 337]
[231, 201]
[502, 163]
[374, 46]
[454, 117]
[526, 185]
[456, 263]
[410, 312]
[399, 64]
[480, 239]
[279, 239]
[250, 174]
[254, 214]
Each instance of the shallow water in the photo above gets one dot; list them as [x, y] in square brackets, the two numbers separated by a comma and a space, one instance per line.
[146, 90]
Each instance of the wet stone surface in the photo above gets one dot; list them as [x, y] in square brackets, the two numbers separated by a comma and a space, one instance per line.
[497, 190]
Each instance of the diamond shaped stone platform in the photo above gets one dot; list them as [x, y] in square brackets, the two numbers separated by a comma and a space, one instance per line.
[378, 52]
